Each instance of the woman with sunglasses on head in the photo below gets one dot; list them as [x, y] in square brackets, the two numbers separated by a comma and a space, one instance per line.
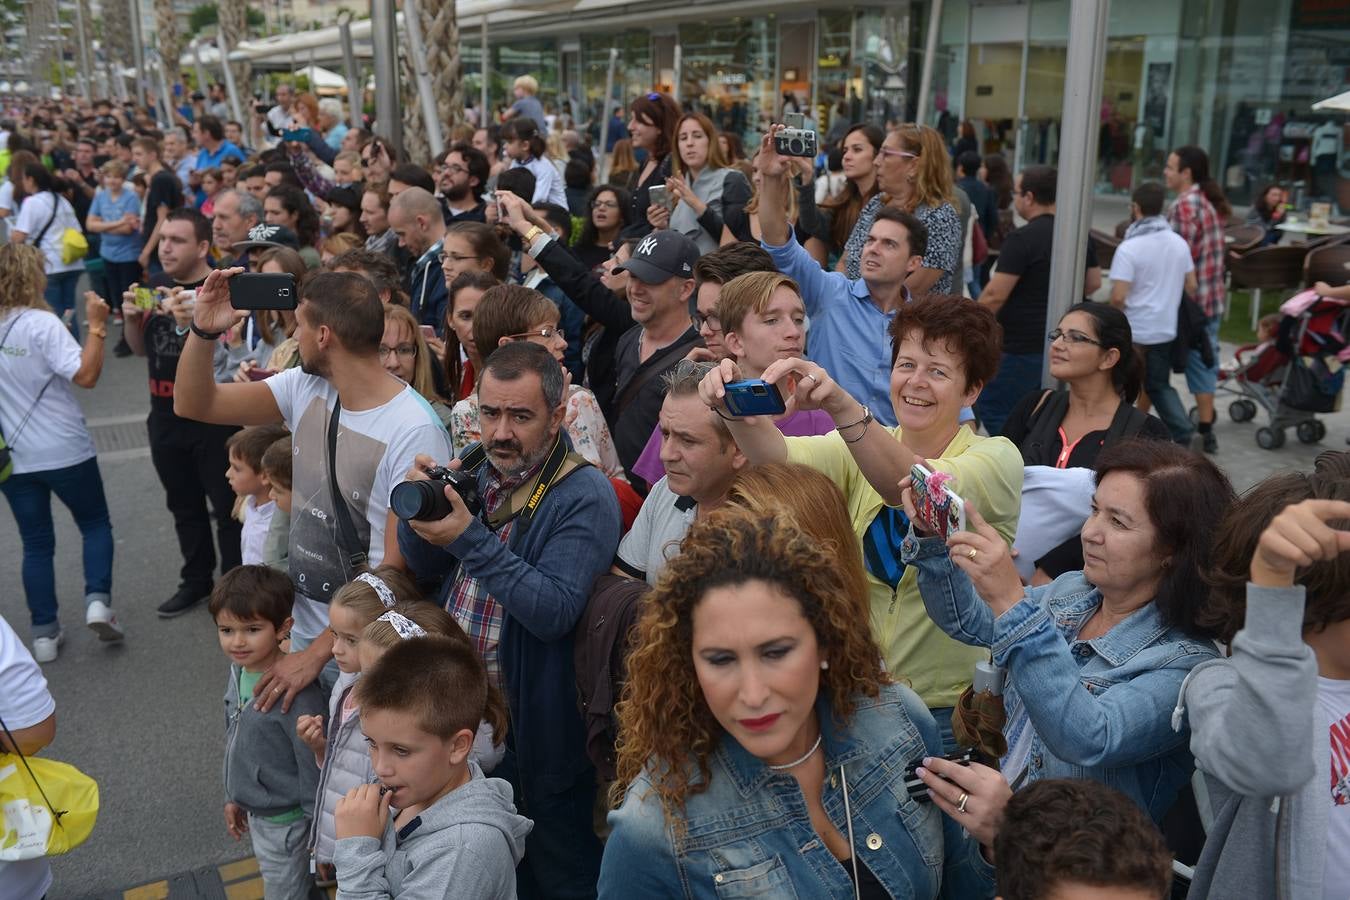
[607, 215]
[707, 193]
[513, 312]
[651, 125]
[914, 174]
[1092, 352]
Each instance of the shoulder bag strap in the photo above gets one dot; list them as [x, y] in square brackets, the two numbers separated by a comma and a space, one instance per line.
[28, 415]
[350, 541]
[649, 370]
[56, 204]
[1126, 423]
[56, 813]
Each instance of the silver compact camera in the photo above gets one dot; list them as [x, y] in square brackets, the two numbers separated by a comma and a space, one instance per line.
[794, 140]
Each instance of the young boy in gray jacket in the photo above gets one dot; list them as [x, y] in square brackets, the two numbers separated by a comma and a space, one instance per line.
[454, 832]
[1270, 727]
[270, 775]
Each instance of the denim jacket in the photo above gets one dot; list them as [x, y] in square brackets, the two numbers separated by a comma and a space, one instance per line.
[749, 833]
[1118, 731]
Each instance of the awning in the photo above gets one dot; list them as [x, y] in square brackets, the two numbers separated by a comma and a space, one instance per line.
[1338, 103]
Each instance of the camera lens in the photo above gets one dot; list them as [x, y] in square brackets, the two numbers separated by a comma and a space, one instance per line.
[797, 146]
[419, 501]
[758, 390]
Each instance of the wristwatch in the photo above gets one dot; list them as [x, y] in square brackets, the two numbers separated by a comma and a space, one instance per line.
[533, 233]
[101, 331]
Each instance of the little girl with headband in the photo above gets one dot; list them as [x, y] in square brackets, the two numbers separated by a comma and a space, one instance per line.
[415, 620]
[340, 749]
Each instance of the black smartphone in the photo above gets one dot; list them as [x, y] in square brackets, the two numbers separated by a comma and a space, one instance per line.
[263, 290]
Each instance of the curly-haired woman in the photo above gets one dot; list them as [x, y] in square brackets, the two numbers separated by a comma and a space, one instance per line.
[762, 750]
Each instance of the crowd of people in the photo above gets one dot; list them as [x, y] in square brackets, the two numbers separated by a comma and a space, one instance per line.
[494, 546]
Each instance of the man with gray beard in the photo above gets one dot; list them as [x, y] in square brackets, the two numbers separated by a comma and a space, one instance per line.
[516, 575]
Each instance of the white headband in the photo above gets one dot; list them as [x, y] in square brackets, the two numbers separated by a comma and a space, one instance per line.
[386, 595]
[405, 627]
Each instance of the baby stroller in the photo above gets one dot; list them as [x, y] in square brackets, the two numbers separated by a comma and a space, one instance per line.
[1297, 375]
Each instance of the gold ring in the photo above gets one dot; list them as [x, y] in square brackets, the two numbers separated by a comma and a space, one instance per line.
[961, 804]
[277, 690]
[813, 378]
[973, 553]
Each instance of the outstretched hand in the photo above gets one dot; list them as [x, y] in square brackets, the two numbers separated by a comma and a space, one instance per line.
[213, 311]
[1299, 536]
[983, 555]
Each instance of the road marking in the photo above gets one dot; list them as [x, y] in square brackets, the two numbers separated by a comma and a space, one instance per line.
[237, 880]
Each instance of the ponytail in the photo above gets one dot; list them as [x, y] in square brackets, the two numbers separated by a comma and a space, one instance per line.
[1197, 160]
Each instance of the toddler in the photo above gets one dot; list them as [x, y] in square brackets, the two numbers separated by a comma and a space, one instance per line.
[343, 757]
[253, 505]
[420, 620]
[276, 468]
[270, 776]
[456, 832]
[212, 183]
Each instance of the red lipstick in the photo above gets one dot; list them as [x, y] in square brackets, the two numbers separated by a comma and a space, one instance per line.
[761, 724]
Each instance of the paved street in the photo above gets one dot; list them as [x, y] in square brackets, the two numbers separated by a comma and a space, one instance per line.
[145, 718]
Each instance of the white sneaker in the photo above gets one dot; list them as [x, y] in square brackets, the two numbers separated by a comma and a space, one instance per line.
[102, 622]
[46, 648]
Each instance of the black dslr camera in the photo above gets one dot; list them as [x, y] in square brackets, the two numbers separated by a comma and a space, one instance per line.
[425, 501]
[794, 140]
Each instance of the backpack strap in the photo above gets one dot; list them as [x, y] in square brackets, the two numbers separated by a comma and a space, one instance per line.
[1126, 423]
[1044, 427]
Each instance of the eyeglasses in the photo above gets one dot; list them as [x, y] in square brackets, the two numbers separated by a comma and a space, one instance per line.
[604, 204]
[407, 351]
[891, 151]
[1073, 337]
[546, 332]
[453, 170]
[710, 319]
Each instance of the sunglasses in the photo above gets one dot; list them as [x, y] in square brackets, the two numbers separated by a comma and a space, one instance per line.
[890, 151]
[546, 332]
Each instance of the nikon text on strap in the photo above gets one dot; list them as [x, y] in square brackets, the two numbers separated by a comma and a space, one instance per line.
[560, 463]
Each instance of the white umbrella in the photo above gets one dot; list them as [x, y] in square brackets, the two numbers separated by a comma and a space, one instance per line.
[323, 79]
[1339, 103]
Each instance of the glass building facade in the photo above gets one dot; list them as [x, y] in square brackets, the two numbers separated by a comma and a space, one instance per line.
[1237, 77]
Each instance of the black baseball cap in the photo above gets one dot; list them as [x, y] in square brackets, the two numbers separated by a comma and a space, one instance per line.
[661, 256]
[260, 236]
[345, 196]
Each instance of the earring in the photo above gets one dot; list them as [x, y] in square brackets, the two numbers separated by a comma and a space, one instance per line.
[824, 664]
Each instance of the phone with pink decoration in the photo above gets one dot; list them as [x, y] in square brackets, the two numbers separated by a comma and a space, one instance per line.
[938, 510]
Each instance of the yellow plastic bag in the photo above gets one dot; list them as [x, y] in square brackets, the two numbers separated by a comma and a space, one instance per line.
[29, 790]
[74, 245]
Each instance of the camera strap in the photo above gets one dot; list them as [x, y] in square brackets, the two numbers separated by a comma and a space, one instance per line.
[349, 542]
[526, 499]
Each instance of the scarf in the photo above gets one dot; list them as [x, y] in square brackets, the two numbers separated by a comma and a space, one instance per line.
[1147, 225]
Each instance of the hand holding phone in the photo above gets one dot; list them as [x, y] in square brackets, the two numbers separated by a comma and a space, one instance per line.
[428, 332]
[258, 374]
[936, 507]
[263, 290]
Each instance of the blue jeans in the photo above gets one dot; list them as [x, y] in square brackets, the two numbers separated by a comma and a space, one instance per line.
[60, 296]
[1200, 378]
[1158, 385]
[80, 488]
[1018, 374]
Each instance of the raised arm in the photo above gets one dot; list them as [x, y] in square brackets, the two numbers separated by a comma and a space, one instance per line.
[197, 395]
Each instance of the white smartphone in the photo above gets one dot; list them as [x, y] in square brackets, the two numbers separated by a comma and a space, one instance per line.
[936, 506]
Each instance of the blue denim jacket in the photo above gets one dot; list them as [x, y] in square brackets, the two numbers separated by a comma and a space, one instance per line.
[1118, 731]
[749, 833]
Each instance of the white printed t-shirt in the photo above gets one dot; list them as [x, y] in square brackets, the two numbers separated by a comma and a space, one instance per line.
[1155, 265]
[375, 449]
[33, 217]
[1334, 698]
[24, 702]
[38, 348]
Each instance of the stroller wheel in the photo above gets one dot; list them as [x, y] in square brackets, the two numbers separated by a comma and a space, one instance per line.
[1270, 438]
[1311, 431]
[1242, 410]
[1194, 415]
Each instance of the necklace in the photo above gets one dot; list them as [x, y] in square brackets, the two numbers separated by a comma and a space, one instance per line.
[801, 759]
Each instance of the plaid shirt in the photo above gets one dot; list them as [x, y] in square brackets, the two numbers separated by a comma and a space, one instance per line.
[473, 608]
[1193, 217]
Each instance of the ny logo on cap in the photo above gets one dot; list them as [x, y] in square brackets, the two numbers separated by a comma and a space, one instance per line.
[647, 246]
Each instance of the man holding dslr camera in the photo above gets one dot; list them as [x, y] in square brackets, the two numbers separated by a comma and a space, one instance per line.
[517, 577]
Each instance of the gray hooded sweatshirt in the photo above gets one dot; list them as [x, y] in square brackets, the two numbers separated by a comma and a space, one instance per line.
[1264, 746]
[465, 845]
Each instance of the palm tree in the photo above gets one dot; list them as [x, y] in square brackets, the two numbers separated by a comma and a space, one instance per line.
[233, 26]
[440, 33]
[168, 41]
[114, 26]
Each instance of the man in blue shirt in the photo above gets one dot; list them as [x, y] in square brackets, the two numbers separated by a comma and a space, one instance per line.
[849, 318]
[209, 134]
